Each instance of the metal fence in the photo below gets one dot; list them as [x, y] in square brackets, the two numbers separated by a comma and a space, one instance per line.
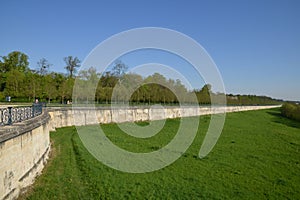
[11, 115]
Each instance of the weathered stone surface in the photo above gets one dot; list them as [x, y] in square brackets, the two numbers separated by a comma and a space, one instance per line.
[85, 116]
[24, 149]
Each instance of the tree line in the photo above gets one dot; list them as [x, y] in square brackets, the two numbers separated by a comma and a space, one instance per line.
[23, 84]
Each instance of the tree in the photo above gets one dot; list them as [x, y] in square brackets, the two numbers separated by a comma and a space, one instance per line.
[72, 64]
[1, 65]
[108, 80]
[15, 60]
[130, 84]
[65, 90]
[88, 82]
[43, 66]
[204, 94]
[181, 91]
[2, 80]
[206, 89]
[50, 88]
[32, 86]
[107, 94]
[14, 84]
[119, 68]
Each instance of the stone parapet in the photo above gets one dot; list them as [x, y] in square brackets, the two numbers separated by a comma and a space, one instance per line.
[24, 149]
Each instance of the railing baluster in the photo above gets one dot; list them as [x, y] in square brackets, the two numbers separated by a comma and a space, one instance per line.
[2, 122]
[10, 115]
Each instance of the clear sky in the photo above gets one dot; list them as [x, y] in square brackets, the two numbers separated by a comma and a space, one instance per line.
[254, 43]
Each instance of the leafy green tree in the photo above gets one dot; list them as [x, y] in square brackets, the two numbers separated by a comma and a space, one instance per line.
[204, 94]
[59, 80]
[2, 80]
[50, 87]
[108, 80]
[14, 83]
[2, 67]
[88, 81]
[99, 94]
[15, 60]
[127, 85]
[32, 86]
[65, 89]
[181, 91]
[107, 94]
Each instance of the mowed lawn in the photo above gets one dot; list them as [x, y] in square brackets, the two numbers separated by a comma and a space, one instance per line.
[256, 157]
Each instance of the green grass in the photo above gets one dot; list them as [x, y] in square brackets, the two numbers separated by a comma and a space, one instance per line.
[256, 157]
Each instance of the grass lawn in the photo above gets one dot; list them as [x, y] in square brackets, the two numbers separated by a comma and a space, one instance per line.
[256, 157]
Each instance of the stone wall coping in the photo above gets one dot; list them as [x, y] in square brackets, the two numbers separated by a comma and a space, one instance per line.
[147, 107]
[17, 129]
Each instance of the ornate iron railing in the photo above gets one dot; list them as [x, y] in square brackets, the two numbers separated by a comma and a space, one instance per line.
[11, 115]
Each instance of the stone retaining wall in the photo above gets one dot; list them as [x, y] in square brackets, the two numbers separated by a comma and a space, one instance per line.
[88, 116]
[24, 149]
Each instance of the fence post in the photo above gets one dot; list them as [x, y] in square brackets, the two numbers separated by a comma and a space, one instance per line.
[9, 116]
[33, 110]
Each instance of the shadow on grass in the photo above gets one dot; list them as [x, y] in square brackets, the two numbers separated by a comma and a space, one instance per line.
[278, 118]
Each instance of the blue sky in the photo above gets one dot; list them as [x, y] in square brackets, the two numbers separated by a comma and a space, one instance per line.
[255, 44]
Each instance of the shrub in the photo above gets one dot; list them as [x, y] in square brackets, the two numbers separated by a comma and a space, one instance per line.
[291, 111]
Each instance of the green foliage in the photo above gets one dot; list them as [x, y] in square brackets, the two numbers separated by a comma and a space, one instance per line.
[2, 96]
[18, 81]
[291, 111]
[251, 100]
[14, 61]
[203, 95]
[256, 157]
[14, 83]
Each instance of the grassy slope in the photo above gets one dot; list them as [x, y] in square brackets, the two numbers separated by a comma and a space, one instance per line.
[257, 156]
